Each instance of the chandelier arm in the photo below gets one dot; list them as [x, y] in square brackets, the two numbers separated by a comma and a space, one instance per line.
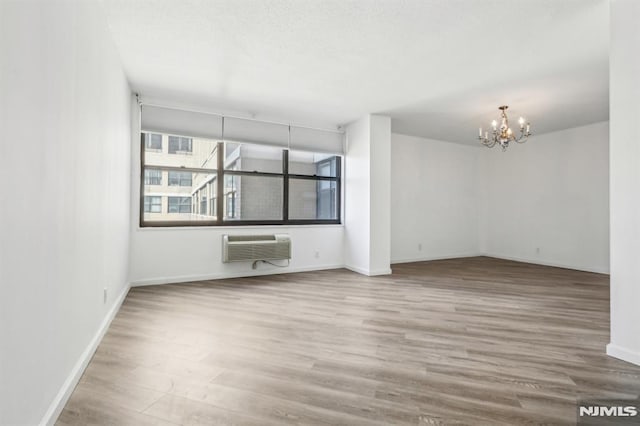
[489, 143]
[523, 137]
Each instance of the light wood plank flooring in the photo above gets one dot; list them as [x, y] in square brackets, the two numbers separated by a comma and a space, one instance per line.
[476, 341]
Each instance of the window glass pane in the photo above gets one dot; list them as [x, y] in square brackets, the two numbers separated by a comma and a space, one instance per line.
[180, 144]
[180, 178]
[252, 158]
[152, 177]
[179, 205]
[153, 204]
[202, 209]
[204, 194]
[312, 199]
[180, 182]
[153, 141]
[307, 163]
[183, 152]
[180, 196]
[252, 197]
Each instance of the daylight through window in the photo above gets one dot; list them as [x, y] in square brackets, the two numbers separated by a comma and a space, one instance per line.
[198, 181]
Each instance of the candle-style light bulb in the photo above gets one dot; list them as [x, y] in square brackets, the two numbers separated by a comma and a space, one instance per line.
[521, 121]
[509, 132]
[494, 124]
[480, 132]
[528, 126]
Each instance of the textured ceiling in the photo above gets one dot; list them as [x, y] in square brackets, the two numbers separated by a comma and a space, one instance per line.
[439, 68]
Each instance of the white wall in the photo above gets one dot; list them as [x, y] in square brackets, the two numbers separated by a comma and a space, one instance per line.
[551, 194]
[434, 199]
[64, 220]
[625, 180]
[451, 200]
[166, 255]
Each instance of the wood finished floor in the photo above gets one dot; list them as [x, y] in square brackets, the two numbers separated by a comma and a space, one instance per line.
[475, 341]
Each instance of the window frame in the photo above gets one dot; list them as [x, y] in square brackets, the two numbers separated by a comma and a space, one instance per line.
[220, 198]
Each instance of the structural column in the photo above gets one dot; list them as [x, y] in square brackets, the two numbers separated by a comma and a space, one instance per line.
[624, 154]
[368, 196]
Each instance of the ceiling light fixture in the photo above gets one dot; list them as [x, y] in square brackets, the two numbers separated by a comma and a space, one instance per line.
[503, 135]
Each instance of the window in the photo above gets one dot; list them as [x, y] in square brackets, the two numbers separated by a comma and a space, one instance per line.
[179, 204]
[253, 158]
[180, 179]
[235, 183]
[152, 204]
[203, 205]
[153, 141]
[152, 177]
[256, 198]
[313, 200]
[230, 207]
[179, 144]
[313, 186]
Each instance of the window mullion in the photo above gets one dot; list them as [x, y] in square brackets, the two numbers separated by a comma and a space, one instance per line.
[285, 189]
[220, 184]
[339, 188]
[142, 159]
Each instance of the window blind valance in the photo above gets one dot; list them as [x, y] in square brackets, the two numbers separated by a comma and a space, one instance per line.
[210, 126]
[258, 132]
[313, 140]
[181, 123]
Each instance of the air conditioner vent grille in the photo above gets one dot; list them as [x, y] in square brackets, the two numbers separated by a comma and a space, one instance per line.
[238, 248]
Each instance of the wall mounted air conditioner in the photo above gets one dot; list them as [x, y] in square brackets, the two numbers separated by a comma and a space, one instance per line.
[242, 248]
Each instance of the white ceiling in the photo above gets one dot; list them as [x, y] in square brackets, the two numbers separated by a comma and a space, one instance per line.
[439, 68]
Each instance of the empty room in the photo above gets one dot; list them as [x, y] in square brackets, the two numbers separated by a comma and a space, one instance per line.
[319, 212]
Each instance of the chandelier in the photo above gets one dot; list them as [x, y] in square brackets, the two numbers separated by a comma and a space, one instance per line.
[503, 135]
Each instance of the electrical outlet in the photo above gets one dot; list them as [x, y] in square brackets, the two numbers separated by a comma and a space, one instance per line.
[104, 295]
[317, 254]
[537, 250]
[420, 247]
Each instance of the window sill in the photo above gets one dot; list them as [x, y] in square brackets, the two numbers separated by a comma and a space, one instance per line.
[213, 228]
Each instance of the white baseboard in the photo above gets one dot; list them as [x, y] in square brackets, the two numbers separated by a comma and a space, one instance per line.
[597, 270]
[367, 272]
[69, 385]
[363, 271]
[357, 269]
[376, 272]
[235, 274]
[623, 354]
[429, 258]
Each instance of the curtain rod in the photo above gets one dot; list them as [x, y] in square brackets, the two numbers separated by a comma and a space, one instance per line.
[142, 103]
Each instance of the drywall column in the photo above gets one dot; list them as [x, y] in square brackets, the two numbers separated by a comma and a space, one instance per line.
[380, 195]
[624, 154]
[368, 196]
